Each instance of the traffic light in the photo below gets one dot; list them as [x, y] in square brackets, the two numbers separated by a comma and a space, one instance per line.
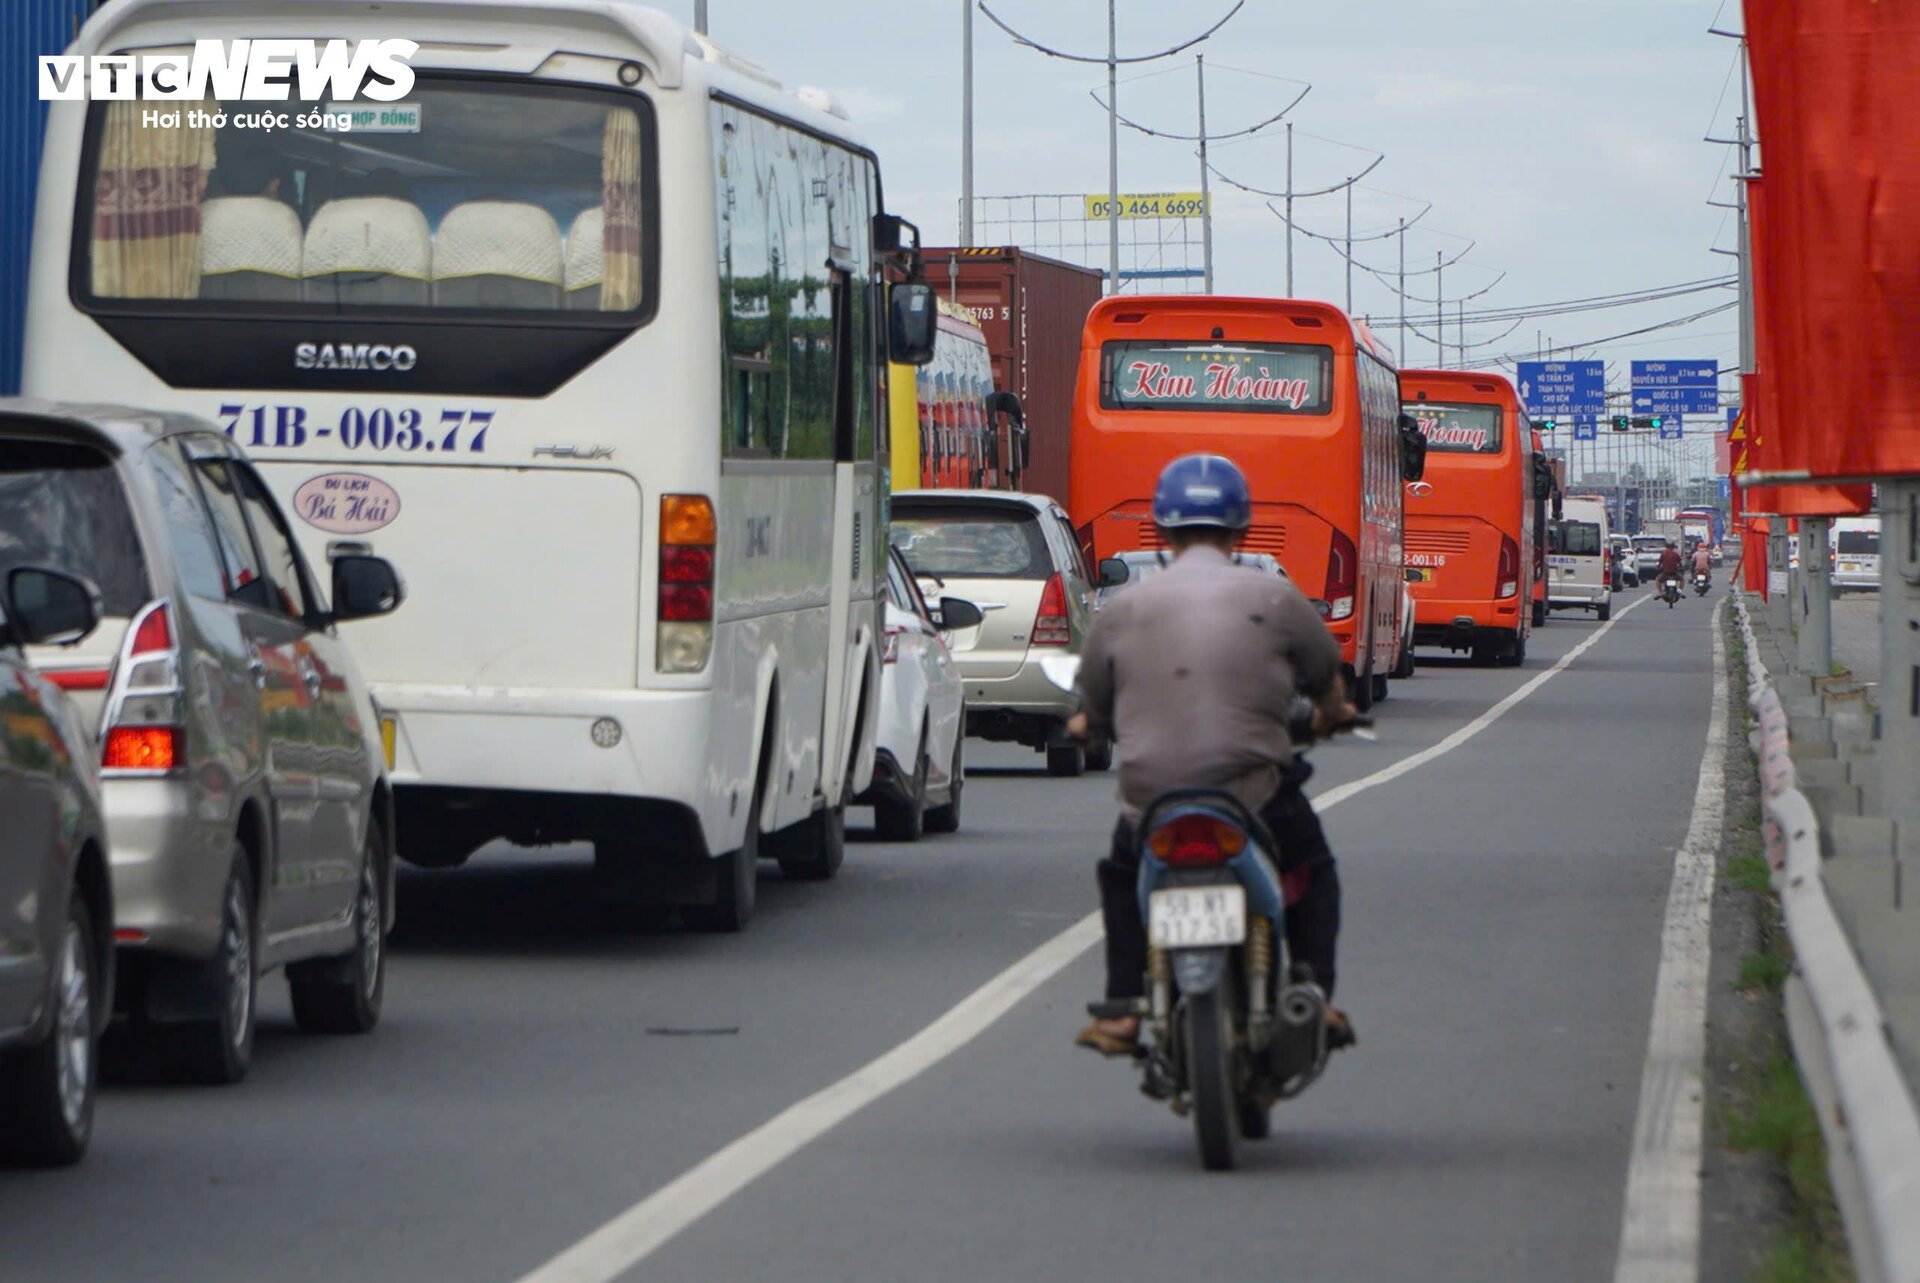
[1650, 421]
[1545, 425]
[1621, 423]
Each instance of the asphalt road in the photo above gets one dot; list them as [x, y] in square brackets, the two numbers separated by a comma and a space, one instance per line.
[535, 1076]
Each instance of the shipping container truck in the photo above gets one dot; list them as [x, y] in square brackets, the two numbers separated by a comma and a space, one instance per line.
[1031, 310]
[29, 30]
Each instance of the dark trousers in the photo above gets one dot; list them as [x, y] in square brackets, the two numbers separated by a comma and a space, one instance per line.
[1312, 923]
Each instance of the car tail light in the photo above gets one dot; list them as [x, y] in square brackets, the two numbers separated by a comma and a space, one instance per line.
[1196, 840]
[1343, 577]
[145, 731]
[1050, 625]
[142, 748]
[1509, 575]
[892, 651]
[684, 638]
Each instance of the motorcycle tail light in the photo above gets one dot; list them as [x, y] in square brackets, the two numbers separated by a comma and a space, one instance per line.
[1196, 840]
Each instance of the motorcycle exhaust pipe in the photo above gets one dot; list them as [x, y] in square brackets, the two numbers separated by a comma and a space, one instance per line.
[1302, 1005]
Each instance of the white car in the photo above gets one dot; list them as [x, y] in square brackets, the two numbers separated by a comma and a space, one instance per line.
[918, 769]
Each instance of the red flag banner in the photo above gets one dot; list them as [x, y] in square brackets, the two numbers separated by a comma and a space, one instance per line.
[1840, 237]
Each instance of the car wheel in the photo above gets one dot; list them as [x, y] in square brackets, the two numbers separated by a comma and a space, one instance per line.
[220, 1050]
[50, 1087]
[1066, 761]
[1100, 756]
[904, 819]
[1604, 612]
[946, 818]
[343, 995]
[814, 849]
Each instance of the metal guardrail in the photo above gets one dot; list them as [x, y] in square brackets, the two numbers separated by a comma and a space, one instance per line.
[1873, 1122]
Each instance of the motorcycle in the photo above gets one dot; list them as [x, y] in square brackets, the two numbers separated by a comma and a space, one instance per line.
[1669, 590]
[1229, 1026]
[1702, 581]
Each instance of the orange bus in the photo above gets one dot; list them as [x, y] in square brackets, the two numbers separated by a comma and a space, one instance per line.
[1470, 521]
[1303, 398]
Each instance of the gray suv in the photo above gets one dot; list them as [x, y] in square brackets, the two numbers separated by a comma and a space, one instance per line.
[56, 908]
[244, 775]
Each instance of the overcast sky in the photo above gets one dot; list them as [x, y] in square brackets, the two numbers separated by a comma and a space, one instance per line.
[1563, 137]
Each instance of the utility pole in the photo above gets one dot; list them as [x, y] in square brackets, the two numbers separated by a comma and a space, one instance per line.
[1113, 152]
[1439, 310]
[966, 121]
[1289, 209]
[700, 16]
[1348, 255]
[1400, 291]
[1206, 198]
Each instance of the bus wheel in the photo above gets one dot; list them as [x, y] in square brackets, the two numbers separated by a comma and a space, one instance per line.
[1539, 613]
[1604, 612]
[813, 850]
[1379, 689]
[1517, 650]
[736, 882]
[1361, 687]
[1485, 654]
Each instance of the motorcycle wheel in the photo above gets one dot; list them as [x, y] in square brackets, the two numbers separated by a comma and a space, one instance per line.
[1209, 1056]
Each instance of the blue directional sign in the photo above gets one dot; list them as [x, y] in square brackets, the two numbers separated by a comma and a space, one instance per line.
[1676, 387]
[1671, 429]
[1558, 388]
[1586, 428]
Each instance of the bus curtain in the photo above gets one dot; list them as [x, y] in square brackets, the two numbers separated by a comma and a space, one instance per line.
[620, 193]
[146, 204]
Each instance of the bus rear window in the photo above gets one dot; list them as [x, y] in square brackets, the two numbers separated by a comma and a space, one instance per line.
[1243, 378]
[1458, 429]
[62, 508]
[472, 196]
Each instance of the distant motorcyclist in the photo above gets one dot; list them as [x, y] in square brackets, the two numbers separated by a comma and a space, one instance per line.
[1193, 674]
[1703, 562]
[1669, 564]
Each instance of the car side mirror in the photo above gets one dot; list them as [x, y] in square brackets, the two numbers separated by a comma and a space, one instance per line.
[1413, 450]
[365, 586]
[48, 608]
[957, 613]
[913, 320]
[1114, 572]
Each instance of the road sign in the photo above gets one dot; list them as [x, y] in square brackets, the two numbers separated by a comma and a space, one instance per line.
[1676, 387]
[1586, 429]
[1671, 429]
[1558, 388]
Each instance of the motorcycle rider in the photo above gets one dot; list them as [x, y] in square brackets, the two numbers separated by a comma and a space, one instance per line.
[1669, 566]
[1193, 673]
[1703, 562]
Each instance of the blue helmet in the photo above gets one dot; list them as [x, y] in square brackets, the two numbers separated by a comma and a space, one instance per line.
[1202, 490]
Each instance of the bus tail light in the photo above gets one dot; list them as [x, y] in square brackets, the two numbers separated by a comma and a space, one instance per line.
[684, 638]
[1343, 577]
[144, 732]
[1050, 624]
[1509, 573]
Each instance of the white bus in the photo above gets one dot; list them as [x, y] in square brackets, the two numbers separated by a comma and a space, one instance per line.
[590, 333]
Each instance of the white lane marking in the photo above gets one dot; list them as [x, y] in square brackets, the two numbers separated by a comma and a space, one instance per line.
[644, 1228]
[1660, 1226]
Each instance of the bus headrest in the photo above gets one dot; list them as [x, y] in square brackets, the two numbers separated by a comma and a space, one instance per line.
[369, 234]
[249, 234]
[498, 238]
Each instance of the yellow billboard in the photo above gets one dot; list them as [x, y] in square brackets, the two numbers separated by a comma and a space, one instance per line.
[1149, 205]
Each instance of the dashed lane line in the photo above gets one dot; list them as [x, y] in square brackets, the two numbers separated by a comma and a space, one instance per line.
[635, 1234]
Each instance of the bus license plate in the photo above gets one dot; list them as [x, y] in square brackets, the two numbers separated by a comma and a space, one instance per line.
[1190, 917]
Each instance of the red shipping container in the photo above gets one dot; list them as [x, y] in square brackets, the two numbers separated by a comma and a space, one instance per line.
[1841, 147]
[1031, 309]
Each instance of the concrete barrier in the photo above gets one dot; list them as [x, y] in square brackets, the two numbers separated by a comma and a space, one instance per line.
[1867, 1111]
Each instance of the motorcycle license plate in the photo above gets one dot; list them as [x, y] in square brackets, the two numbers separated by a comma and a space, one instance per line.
[1197, 917]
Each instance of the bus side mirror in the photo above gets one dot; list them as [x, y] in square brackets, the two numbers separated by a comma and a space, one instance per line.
[1008, 404]
[913, 320]
[1542, 478]
[1413, 450]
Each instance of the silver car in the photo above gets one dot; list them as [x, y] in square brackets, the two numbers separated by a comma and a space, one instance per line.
[1015, 557]
[56, 905]
[243, 770]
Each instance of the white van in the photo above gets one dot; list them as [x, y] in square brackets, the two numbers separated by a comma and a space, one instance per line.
[1579, 560]
[1856, 553]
